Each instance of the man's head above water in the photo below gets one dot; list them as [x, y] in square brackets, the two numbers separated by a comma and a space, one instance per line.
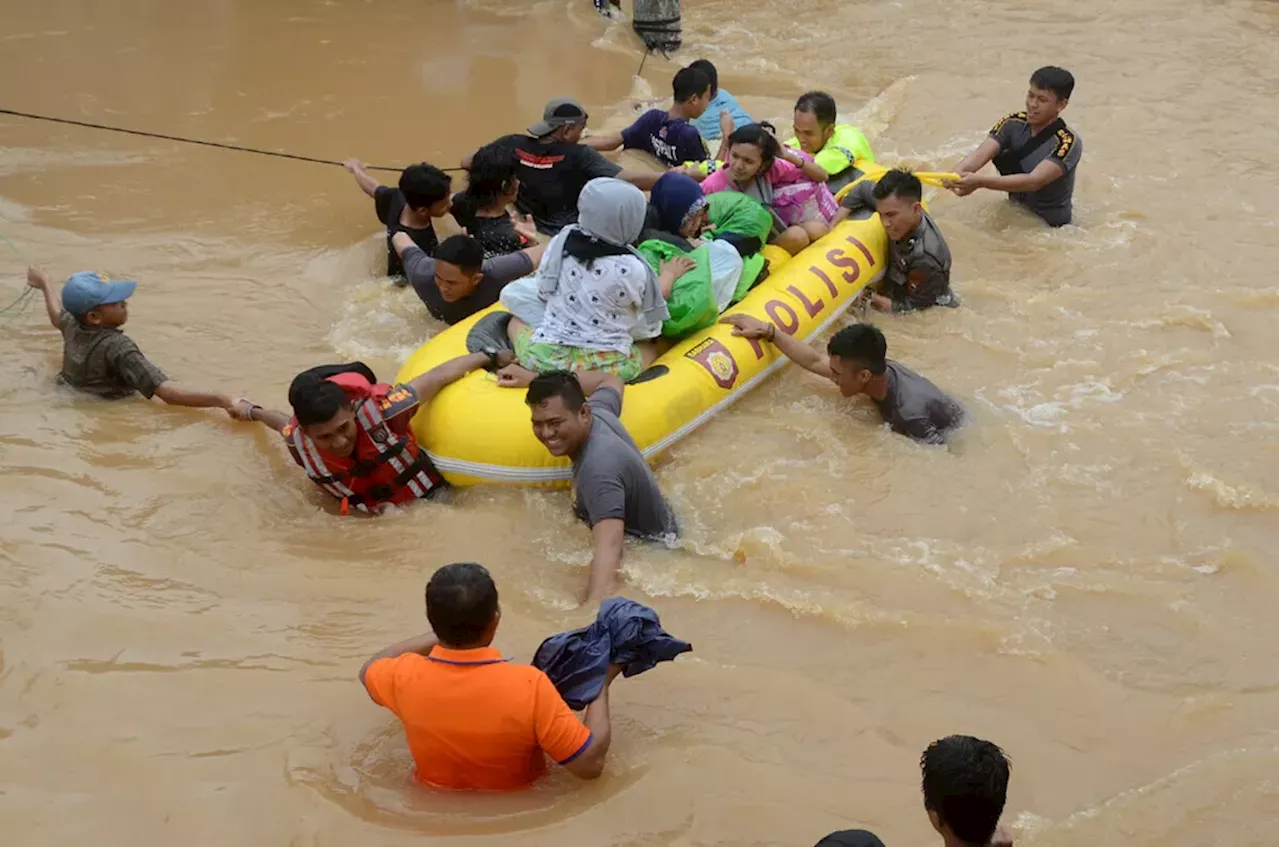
[323, 410]
[563, 119]
[459, 267]
[1047, 95]
[559, 411]
[898, 195]
[462, 606]
[857, 358]
[964, 781]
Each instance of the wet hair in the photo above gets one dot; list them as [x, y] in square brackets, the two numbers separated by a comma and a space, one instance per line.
[562, 384]
[900, 183]
[759, 135]
[820, 104]
[424, 185]
[688, 83]
[493, 167]
[461, 603]
[1057, 80]
[862, 344]
[710, 71]
[315, 400]
[964, 781]
[463, 251]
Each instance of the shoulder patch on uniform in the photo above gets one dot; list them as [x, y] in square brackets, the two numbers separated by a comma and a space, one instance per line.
[1066, 140]
[399, 399]
[286, 430]
[1012, 116]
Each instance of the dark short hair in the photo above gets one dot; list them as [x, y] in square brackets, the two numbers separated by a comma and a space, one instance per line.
[760, 136]
[710, 70]
[964, 781]
[898, 182]
[463, 251]
[424, 185]
[862, 344]
[688, 83]
[562, 384]
[1057, 80]
[315, 400]
[820, 104]
[461, 603]
[493, 167]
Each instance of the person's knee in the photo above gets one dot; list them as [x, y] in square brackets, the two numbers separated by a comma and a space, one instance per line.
[793, 239]
[815, 229]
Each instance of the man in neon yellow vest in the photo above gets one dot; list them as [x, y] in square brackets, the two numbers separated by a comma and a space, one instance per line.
[838, 148]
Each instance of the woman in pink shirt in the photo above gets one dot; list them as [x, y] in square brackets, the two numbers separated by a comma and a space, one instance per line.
[786, 181]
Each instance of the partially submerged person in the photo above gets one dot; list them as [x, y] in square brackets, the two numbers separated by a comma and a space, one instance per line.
[421, 196]
[553, 167]
[855, 361]
[473, 720]
[483, 209]
[1035, 152]
[351, 433]
[965, 783]
[99, 359]
[596, 296]
[708, 123]
[837, 147]
[669, 135]
[919, 267]
[615, 492]
[789, 183]
[459, 281]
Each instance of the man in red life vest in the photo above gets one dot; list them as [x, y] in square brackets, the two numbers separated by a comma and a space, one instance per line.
[351, 435]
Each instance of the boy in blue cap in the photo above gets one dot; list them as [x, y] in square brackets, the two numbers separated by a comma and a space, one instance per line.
[97, 357]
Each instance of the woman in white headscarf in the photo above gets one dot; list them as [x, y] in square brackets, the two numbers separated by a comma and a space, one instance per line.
[598, 294]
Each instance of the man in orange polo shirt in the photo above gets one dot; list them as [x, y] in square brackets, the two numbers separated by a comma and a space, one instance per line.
[472, 720]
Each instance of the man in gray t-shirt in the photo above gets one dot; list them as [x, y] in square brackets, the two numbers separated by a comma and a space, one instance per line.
[1035, 152]
[855, 361]
[613, 489]
[918, 275]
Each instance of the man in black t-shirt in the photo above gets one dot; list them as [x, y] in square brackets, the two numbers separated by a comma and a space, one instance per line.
[910, 404]
[423, 194]
[553, 167]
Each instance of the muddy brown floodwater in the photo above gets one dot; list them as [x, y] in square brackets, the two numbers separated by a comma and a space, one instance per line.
[1089, 579]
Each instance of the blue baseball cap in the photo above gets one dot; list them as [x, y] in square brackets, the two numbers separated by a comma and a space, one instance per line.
[88, 290]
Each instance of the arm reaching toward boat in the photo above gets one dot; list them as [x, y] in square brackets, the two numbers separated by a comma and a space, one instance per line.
[797, 351]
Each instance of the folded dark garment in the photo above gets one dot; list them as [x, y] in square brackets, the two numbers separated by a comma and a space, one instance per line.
[624, 633]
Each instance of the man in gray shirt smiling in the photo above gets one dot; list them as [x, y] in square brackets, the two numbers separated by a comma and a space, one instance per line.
[614, 490]
[1035, 152]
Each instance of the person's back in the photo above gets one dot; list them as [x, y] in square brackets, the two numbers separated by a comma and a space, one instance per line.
[551, 178]
[915, 407]
[472, 720]
[475, 721]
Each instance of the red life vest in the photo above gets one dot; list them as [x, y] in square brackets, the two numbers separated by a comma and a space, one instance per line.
[384, 467]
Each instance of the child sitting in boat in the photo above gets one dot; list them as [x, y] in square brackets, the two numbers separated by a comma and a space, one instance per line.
[786, 181]
[482, 210]
[600, 300]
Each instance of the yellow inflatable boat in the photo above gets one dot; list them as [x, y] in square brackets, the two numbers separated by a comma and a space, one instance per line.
[477, 432]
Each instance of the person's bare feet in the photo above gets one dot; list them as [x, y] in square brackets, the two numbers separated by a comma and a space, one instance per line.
[515, 376]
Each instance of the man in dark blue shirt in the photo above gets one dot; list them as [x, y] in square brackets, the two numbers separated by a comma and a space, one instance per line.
[669, 136]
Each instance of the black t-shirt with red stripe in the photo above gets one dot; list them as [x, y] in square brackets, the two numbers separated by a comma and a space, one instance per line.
[552, 176]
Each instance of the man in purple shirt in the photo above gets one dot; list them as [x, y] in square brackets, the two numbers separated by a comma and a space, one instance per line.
[669, 136]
